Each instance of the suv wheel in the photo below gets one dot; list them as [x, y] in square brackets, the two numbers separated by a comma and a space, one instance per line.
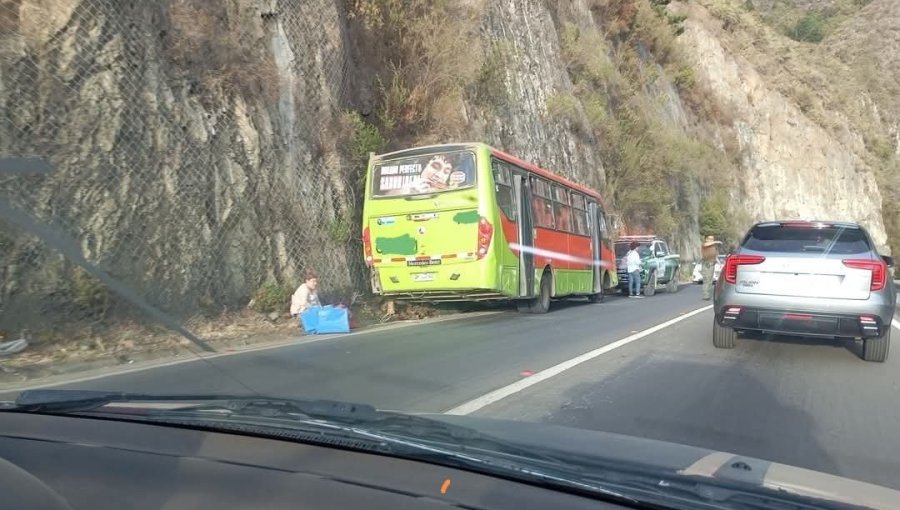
[876, 349]
[723, 338]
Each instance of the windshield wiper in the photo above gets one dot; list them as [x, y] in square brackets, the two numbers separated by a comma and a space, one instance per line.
[417, 438]
[67, 401]
[344, 413]
[403, 435]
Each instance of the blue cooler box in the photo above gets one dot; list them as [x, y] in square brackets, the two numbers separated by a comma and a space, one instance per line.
[325, 320]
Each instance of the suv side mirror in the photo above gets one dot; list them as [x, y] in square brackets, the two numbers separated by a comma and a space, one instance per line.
[888, 260]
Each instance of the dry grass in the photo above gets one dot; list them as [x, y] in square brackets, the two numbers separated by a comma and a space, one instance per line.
[650, 162]
[428, 55]
[205, 41]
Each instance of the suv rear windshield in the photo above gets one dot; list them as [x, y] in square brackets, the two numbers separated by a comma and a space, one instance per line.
[432, 173]
[839, 240]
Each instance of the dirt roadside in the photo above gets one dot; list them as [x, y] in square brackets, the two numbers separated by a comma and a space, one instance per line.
[72, 353]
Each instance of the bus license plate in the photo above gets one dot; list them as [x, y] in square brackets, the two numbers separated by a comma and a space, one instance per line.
[423, 277]
[429, 262]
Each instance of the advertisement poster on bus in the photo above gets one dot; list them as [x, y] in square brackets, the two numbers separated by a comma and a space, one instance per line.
[424, 174]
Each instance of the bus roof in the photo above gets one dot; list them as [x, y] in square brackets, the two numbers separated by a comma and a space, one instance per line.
[425, 149]
[547, 174]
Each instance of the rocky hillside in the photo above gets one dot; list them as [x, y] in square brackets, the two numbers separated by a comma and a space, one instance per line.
[207, 152]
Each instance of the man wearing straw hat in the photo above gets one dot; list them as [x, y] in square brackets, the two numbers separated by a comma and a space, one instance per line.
[709, 252]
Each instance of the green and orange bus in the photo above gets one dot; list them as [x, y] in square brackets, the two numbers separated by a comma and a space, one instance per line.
[468, 222]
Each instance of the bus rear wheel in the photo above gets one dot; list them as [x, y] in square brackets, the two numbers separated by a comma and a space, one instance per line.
[541, 304]
[604, 288]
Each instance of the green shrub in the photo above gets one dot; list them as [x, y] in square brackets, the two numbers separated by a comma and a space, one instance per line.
[364, 138]
[89, 294]
[341, 229]
[715, 218]
[684, 78]
[809, 28]
[271, 297]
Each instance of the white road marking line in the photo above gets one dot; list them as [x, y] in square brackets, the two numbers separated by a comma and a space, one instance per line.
[895, 323]
[506, 391]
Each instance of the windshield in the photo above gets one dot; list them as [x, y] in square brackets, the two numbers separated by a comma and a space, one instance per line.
[433, 173]
[805, 239]
[623, 248]
[422, 208]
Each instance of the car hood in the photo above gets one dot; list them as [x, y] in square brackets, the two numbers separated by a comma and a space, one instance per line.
[679, 459]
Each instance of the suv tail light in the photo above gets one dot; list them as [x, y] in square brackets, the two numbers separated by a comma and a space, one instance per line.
[733, 261]
[878, 268]
[367, 245]
[485, 234]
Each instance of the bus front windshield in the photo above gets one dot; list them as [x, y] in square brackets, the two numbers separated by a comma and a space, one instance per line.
[431, 173]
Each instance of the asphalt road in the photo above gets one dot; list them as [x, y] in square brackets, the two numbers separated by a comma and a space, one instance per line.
[812, 404]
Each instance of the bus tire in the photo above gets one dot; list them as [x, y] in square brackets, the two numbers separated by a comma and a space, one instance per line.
[604, 290]
[541, 304]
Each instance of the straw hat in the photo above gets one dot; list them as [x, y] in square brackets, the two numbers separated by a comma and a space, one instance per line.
[710, 240]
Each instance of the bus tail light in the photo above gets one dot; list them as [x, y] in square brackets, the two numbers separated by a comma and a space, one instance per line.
[733, 261]
[485, 234]
[367, 245]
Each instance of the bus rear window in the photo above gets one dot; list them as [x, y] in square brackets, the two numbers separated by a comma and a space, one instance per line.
[432, 173]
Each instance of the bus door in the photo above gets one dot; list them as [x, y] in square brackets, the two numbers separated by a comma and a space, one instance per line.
[595, 213]
[526, 234]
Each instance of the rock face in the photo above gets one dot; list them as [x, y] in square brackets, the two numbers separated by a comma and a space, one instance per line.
[190, 147]
[790, 166]
[534, 75]
[200, 148]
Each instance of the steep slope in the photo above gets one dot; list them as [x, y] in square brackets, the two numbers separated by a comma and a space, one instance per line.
[844, 85]
[791, 167]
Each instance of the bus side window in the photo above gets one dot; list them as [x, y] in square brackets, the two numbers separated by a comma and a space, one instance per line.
[543, 208]
[562, 209]
[602, 222]
[503, 190]
[579, 212]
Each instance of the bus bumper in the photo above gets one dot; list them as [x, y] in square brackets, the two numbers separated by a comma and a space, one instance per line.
[452, 282]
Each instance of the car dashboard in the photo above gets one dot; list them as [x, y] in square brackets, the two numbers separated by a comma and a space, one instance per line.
[65, 462]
